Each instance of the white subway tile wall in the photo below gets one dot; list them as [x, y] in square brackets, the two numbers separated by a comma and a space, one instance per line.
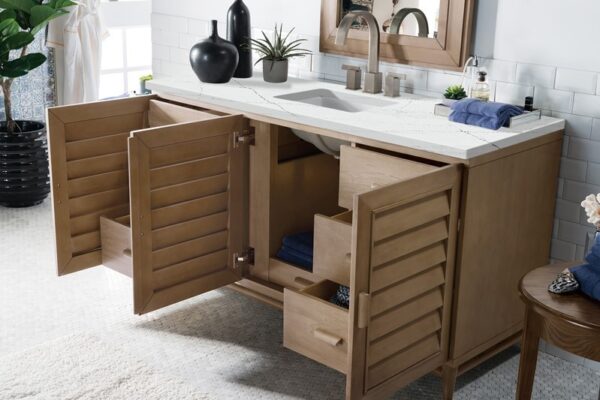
[560, 92]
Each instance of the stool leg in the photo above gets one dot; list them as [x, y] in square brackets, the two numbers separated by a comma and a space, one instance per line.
[449, 381]
[529, 355]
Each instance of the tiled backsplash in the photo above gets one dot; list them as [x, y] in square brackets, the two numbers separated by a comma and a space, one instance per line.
[561, 92]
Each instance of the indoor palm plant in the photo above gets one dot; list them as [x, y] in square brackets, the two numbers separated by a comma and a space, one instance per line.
[23, 145]
[275, 54]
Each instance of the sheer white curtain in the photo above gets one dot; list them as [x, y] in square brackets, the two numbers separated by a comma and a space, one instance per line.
[79, 37]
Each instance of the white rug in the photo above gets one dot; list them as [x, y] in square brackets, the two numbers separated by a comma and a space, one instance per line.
[83, 367]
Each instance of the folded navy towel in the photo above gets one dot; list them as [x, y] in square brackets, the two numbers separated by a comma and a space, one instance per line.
[295, 257]
[489, 115]
[588, 275]
[302, 242]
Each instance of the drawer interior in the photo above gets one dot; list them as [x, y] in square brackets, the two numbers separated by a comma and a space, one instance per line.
[115, 236]
[315, 327]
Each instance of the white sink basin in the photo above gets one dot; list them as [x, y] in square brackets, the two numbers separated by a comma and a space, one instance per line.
[336, 100]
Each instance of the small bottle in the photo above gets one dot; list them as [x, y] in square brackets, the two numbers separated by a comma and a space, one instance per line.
[528, 103]
[481, 89]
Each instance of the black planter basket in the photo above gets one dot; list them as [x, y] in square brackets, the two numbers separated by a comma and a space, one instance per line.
[24, 180]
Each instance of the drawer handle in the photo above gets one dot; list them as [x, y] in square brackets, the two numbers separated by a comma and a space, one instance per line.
[127, 252]
[348, 258]
[328, 338]
[303, 282]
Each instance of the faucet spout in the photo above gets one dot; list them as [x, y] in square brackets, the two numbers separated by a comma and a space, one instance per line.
[405, 12]
[344, 29]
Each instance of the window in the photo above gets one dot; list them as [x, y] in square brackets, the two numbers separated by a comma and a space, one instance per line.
[127, 52]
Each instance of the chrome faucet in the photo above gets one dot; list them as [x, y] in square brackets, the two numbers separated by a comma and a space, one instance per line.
[373, 78]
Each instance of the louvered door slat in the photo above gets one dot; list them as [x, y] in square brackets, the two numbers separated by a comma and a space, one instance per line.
[183, 245]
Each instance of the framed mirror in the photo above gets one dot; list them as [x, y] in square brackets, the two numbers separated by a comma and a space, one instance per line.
[431, 33]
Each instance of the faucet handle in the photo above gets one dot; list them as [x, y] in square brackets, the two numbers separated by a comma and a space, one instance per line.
[392, 84]
[353, 76]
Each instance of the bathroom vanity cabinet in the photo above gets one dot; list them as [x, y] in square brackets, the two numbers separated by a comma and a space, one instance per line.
[186, 197]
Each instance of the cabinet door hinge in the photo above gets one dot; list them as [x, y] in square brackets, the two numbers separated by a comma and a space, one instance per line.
[245, 258]
[245, 136]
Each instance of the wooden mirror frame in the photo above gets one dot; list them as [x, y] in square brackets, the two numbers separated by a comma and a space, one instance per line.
[449, 50]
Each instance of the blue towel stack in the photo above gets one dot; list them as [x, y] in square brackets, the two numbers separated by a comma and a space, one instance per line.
[297, 249]
[588, 275]
[488, 115]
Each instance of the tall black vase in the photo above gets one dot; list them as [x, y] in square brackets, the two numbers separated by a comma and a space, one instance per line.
[214, 60]
[239, 31]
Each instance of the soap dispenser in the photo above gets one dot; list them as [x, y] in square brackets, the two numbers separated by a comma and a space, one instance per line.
[481, 89]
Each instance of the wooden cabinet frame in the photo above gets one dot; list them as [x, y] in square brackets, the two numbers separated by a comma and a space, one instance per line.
[180, 198]
[449, 50]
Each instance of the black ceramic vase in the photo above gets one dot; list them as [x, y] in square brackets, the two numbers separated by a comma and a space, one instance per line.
[24, 177]
[214, 60]
[239, 31]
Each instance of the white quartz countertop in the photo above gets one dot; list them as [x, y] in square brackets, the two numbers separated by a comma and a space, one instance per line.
[409, 122]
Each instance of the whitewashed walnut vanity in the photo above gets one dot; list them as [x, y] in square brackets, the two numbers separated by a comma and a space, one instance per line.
[431, 224]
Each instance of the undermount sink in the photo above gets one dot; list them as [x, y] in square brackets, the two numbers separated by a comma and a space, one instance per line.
[337, 101]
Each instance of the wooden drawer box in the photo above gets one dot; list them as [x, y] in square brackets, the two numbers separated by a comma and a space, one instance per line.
[333, 241]
[115, 236]
[315, 327]
[362, 171]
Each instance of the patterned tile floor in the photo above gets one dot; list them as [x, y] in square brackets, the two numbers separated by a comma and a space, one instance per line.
[227, 345]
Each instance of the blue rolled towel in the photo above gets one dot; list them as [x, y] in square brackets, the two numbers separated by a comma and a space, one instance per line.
[302, 242]
[295, 257]
[490, 115]
[588, 275]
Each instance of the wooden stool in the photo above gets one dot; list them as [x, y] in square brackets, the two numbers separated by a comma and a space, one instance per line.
[571, 322]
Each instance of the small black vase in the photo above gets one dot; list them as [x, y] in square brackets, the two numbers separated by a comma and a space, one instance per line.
[239, 31]
[214, 60]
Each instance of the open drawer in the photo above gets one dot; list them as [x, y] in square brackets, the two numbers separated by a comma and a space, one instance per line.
[150, 189]
[363, 170]
[115, 237]
[395, 249]
[332, 248]
[315, 327]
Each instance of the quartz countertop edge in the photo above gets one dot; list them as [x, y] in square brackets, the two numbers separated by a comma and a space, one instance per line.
[409, 122]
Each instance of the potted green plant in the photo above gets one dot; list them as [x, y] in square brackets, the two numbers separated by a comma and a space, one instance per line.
[143, 80]
[275, 54]
[23, 145]
[453, 94]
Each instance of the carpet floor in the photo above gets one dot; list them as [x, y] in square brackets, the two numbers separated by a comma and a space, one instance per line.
[221, 345]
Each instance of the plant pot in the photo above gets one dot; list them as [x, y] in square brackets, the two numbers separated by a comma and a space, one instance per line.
[275, 71]
[448, 102]
[24, 180]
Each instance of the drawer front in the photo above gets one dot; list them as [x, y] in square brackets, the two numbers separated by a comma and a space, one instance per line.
[290, 276]
[333, 240]
[316, 328]
[363, 170]
[116, 246]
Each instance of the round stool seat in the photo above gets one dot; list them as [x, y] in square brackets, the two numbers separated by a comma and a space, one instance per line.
[574, 307]
[570, 322]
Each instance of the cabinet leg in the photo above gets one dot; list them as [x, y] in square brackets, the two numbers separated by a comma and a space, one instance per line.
[449, 374]
[529, 355]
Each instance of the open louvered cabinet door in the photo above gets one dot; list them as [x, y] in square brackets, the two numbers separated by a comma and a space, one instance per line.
[88, 161]
[189, 209]
[404, 239]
